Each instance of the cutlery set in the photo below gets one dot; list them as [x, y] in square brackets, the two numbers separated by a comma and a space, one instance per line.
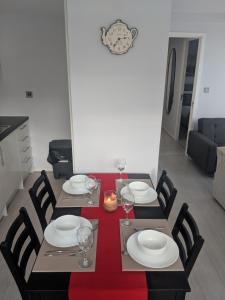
[76, 251]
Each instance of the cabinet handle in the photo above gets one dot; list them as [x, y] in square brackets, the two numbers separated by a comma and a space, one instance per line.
[24, 139]
[24, 126]
[25, 150]
[26, 160]
[2, 158]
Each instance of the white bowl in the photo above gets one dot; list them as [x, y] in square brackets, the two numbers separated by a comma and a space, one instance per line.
[139, 188]
[151, 242]
[78, 181]
[66, 226]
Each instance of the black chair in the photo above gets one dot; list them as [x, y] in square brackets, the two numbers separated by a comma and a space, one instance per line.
[186, 234]
[166, 194]
[42, 197]
[12, 249]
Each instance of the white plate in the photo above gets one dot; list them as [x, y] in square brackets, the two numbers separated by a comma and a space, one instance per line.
[157, 261]
[148, 197]
[54, 239]
[71, 190]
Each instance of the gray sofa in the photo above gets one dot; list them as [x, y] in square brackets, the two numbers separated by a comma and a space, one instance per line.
[202, 144]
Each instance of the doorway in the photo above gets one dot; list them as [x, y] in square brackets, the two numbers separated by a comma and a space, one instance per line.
[184, 65]
[186, 96]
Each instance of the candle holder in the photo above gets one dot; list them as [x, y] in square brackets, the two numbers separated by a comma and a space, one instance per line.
[110, 201]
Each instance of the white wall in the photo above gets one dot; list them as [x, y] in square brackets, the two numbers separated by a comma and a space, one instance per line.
[116, 101]
[207, 17]
[33, 57]
[171, 121]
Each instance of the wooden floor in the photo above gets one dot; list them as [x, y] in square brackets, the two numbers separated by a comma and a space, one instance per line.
[8, 289]
[207, 279]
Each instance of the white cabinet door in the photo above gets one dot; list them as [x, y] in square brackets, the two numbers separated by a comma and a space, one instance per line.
[10, 167]
[2, 196]
[25, 151]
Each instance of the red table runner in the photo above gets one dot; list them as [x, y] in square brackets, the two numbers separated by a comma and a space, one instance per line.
[108, 282]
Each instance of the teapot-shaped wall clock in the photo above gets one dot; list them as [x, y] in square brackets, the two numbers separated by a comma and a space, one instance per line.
[119, 37]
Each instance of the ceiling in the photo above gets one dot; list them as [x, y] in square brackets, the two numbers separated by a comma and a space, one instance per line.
[199, 6]
[57, 6]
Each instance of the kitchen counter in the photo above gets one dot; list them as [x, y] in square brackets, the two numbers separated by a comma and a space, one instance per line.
[13, 122]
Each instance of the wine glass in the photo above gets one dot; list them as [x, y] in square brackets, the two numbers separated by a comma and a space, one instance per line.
[121, 164]
[91, 185]
[127, 199]
[85, 240]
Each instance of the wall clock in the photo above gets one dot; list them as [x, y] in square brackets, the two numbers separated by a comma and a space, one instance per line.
[118, 37]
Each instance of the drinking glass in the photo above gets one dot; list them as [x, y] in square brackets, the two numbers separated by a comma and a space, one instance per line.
[121, 164]
[85, 240]
[127, 199]
[91, 187]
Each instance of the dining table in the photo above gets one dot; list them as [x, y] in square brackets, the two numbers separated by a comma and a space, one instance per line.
[161, 284]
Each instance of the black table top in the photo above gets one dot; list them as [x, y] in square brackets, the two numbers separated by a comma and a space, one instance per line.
[167, 284]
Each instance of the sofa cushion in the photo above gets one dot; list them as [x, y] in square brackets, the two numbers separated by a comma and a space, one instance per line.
[213, 128]
[220, 135]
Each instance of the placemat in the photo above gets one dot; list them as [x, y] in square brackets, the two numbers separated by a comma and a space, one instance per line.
[128, 264]
[68, 200]
[120, 185]
[64, 262]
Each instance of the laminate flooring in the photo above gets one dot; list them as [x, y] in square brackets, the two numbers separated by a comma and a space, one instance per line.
[207, 278]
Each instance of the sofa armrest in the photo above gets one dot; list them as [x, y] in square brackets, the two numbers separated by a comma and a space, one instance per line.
[203, 151]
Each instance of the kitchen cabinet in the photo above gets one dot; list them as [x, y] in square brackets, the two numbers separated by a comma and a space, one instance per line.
[25, 153]
[15, 159]
[10, 174]
[2, 199]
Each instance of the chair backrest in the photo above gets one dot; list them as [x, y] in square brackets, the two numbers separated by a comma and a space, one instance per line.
[21, 240]
[42, 196]
[166, 193]
[186, 234]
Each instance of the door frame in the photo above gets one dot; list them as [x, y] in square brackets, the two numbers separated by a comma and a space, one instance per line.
[198, 74]
[181, 88]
